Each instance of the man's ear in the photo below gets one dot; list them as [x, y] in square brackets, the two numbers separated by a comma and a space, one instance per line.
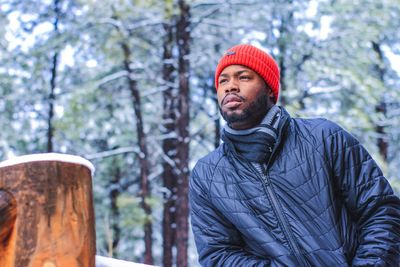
[271, 95]
[272, 98]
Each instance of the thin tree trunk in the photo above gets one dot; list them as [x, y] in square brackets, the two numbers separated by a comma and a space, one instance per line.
[382, 142]
[282, 68]
[169, 144]
[115, 212]
[52, 97]
[381, 107]
[143, 156]
[217, 127]
[182, 213]
[217, 123]
[281, 60]
[286, 20]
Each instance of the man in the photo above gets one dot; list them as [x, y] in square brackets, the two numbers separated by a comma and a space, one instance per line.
[281, 191]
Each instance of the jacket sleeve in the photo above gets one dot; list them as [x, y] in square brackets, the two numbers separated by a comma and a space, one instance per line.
[369, 199]
[218, 242]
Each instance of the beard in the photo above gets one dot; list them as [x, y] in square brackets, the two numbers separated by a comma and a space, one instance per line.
[256, 111]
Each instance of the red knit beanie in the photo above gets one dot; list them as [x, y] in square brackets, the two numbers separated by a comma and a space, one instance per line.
[255, 59]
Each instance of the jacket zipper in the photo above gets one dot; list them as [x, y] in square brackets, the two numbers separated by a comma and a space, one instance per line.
[285, 225]
[275, 203]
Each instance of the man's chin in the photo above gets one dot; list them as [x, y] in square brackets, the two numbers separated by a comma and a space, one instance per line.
[233, 116]
[250, 115]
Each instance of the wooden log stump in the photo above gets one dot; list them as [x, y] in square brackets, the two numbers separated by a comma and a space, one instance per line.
[46, 212]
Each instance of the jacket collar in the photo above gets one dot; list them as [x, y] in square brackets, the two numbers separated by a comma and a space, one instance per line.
[229, 148]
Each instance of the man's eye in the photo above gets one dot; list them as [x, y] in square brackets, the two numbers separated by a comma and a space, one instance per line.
[244, 78]
[223, 81]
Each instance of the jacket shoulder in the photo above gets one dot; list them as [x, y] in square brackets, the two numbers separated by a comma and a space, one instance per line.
[204, 170]
[323, 135]
[211, 160]
[317, 126]
[321, 130]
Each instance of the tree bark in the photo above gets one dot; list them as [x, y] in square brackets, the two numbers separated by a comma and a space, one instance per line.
[53, 206]
[182, 213]
[143, 155]
[169, 143]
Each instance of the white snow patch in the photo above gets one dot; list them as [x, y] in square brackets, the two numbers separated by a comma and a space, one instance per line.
[110, 262]
[48, 157]
[67, 57]
[91, 63]
[394, 59]
[312, 9]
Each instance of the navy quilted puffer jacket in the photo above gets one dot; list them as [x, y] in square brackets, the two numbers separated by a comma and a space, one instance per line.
[322, 201]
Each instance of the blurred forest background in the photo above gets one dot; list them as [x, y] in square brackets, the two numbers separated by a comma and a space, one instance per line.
[128, 84]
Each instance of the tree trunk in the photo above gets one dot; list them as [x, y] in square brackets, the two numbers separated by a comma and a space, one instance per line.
[143, 156]
[53, 206]
[182, 213]
[217, 127]
[115, 212]
[282, 69]
[52, 97]
[382, 142]
[286, 20]
[217, 123]
[169, 143]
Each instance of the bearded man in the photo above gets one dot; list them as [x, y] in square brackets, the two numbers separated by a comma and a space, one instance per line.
[282, 191]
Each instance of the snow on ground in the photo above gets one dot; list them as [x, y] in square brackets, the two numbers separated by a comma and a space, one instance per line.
[110, 262]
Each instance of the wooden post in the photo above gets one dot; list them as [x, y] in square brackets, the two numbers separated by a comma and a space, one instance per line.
[46, 212]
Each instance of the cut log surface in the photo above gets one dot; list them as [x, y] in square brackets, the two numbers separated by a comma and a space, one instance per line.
[54, 225]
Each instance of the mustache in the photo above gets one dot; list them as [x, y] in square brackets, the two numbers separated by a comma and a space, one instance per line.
[235, 94]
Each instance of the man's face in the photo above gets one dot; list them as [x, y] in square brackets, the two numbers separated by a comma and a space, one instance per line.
[243, 97]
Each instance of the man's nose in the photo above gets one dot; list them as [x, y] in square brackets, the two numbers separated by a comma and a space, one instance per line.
[232, 86]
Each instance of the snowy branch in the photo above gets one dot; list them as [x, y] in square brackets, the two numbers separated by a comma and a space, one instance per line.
[224, 2]
[204, 16]
[111, 77]
[113, 22]
[114, 152]
[143, 23]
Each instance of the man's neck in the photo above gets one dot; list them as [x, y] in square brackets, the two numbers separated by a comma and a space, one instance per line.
[244, 125]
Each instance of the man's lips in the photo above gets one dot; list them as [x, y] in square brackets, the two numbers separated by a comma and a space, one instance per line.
[231, 101]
